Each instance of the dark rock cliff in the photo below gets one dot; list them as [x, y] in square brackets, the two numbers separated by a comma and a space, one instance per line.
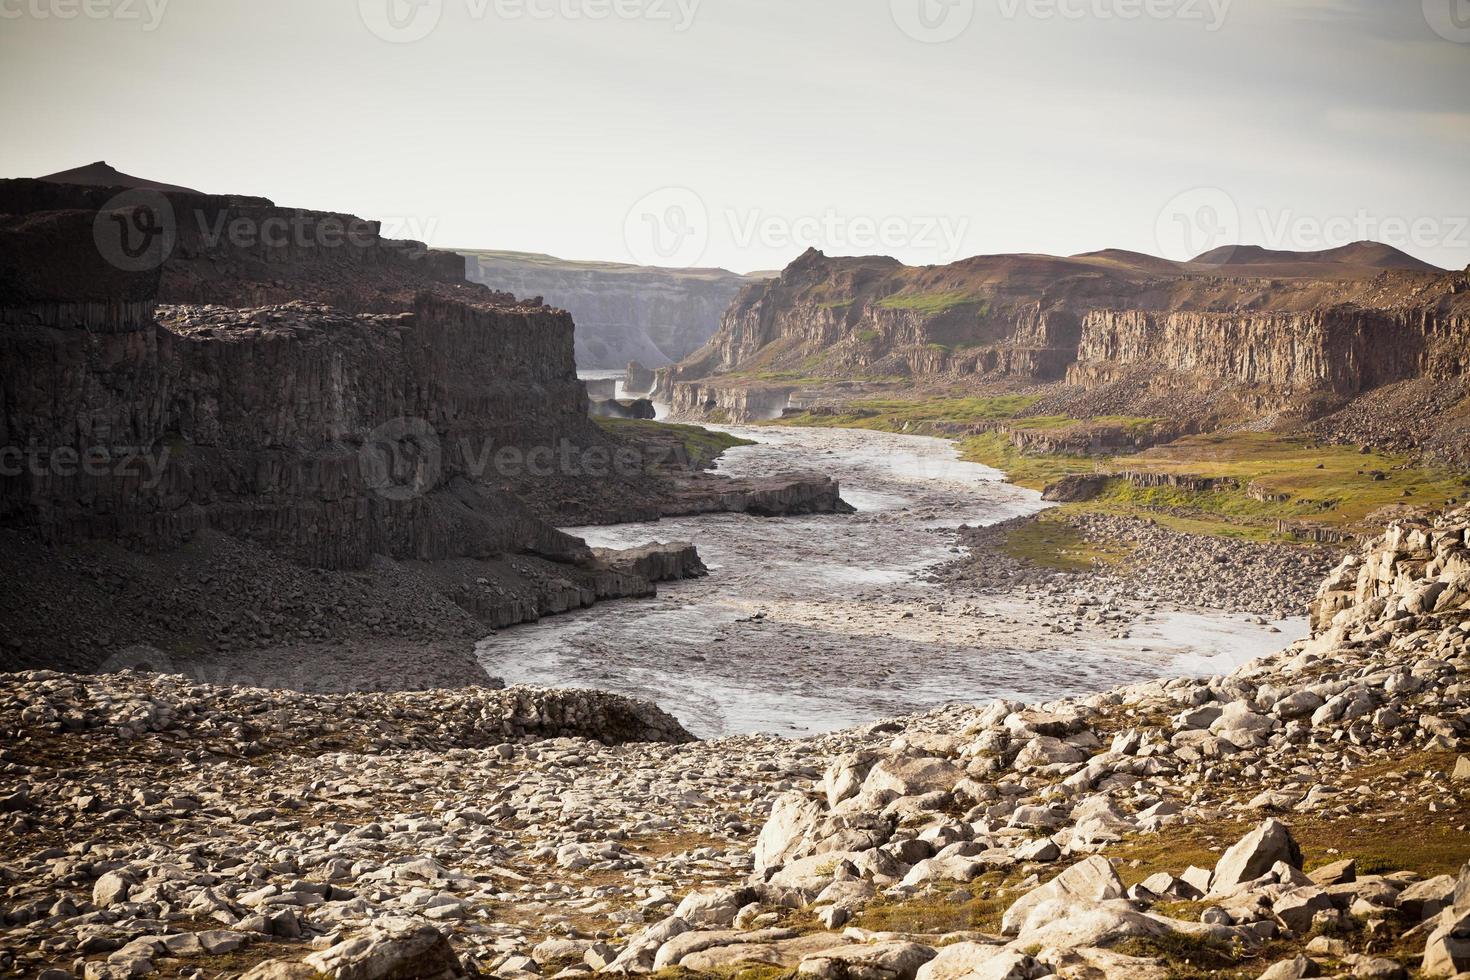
[291, 379]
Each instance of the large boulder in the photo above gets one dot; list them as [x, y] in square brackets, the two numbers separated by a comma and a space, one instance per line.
[1254, 855]
[980, 961]
[784, 953]
[1447, 953]
[638, 955]
[1045, 750]
[911, 776]
[1091, 880]
[714, 906]
[844, 777]
[1101, 964]
[673, 952]
[390, 950]
[896, 960]
[788, 832]
[1069, 922]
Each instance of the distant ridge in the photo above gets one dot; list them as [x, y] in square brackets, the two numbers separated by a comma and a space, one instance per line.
[1363, 255]
[100, 174]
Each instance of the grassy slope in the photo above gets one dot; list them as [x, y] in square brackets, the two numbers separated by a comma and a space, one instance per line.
[1334, 486]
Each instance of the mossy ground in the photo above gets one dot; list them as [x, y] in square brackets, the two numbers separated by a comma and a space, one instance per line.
[931, 302]
[1279, 478]
[703, 445]
[1052, 543]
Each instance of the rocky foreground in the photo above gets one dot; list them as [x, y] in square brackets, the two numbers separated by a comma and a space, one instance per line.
[1306, 815]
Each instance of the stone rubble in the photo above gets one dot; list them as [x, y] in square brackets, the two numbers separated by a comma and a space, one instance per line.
[1165, 568]
[159, 827]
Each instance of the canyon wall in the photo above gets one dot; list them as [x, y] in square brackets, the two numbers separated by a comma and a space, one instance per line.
[1343, 323]
[357, 412]
[623, 312]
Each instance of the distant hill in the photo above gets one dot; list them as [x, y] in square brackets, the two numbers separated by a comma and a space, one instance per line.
[1265, 262]
[100, 174]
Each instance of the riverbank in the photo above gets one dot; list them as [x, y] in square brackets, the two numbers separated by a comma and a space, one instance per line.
[816, 623]
[1259, 485]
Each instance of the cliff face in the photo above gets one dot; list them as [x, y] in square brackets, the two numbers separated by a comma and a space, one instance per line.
[1091, 321]
[293, 383]
[276, 423]
[623, 312]
[1344, 350]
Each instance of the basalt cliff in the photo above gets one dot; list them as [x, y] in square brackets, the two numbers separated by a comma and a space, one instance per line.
[1236, 334]
[228, 424]
[623, 312]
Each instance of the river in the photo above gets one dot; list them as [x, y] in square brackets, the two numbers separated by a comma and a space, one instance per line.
[809, 624]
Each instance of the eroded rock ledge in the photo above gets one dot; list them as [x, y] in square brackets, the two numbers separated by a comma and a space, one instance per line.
[774, 496]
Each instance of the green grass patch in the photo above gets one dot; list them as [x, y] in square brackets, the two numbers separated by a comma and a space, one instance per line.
[931, 302]
[1033, 470]
[1278, 477]
[903, 415]
[702, 445]
[1053, 543]
[1330, 485]
[947, 910]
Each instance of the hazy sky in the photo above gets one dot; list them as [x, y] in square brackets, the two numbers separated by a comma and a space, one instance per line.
[737, 132]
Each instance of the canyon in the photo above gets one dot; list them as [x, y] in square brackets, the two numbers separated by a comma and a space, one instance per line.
[624, 312]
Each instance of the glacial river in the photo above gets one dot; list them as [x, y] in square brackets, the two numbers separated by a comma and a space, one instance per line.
[814, 623]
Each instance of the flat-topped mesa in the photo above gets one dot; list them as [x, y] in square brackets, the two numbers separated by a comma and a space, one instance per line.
[357, 411]
[230, 250]
[1278, 331]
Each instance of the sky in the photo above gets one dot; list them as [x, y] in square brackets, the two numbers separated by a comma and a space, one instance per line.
[737, 133]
